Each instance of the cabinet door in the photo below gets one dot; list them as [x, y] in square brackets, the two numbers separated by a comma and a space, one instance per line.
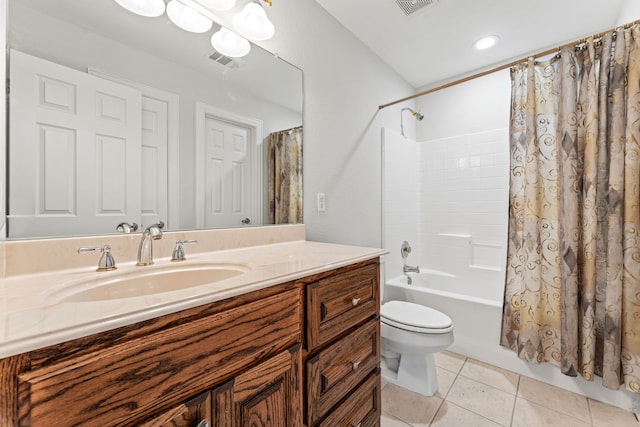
[193, 413]
[266, 395]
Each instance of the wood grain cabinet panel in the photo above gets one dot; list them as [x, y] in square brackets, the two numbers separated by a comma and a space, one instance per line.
[268, 395]
[336, 370]
[113, 386]
[361, 408]
[337, 303]
[194, 413]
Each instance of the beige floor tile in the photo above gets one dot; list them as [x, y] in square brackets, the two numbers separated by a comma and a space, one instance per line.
[387, 420]
[603, 415]
[554, 398]
[450, 415]
[487, 374]
[450, 361]
[529, 414]
[482, 399]
[445, 381]
[410, 407]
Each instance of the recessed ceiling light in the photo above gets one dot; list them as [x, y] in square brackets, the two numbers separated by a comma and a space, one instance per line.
[486, 42]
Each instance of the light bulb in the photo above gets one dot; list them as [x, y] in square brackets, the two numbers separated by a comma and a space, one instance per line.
[230, 44]
[252, 22]
[148, 8]
[187, 18]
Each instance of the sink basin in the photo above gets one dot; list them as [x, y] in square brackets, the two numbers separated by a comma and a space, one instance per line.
[145, 281]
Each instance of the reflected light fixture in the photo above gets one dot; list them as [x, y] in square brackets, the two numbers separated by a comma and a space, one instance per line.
[148, 8]
[486, 42]
[230, 44]
[252, 22]
[187, 18]
[218, 4]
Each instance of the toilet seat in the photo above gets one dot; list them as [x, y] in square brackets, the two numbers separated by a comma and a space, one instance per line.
[415, 317]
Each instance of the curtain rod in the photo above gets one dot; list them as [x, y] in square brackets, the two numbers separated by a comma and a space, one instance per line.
[287, 130]
[505, 66]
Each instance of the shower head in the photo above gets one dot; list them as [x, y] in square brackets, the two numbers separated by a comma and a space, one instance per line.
[418, 115]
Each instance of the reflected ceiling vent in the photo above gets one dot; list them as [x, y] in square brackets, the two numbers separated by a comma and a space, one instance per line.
[409, 7]
[223, 60]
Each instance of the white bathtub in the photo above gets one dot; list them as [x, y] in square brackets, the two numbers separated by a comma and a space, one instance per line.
[476, 320]
[476, 329]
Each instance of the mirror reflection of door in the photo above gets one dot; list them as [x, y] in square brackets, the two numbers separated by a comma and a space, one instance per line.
[84, 134]
[228, 168]
[227, 193]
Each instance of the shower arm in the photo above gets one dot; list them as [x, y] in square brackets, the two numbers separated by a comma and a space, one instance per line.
[419, 116]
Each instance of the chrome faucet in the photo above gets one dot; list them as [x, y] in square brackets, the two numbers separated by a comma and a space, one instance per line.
[145, 250]
[405, 250]
[409, 269]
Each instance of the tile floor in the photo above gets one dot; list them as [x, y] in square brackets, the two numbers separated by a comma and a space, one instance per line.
[474, 394]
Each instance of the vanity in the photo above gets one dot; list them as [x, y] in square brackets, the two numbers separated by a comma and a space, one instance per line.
[292, 340]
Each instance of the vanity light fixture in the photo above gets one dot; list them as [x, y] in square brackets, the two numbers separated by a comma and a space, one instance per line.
[252, 22]
[187, 18]
[486, 42]
[230, 44]
[148, 8]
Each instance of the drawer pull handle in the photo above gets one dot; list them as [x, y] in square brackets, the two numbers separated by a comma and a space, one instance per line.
[356, 425]
[203, 423]
[354, 365]
[355, 301]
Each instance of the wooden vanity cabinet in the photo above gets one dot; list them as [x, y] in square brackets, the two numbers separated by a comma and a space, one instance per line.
[300, 353]
[343, 344]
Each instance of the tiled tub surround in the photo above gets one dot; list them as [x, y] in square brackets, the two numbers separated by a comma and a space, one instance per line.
[472, 393]
[28, 320]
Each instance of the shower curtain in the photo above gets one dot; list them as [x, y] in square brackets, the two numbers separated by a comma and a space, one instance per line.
[284, 160]
[572, 294]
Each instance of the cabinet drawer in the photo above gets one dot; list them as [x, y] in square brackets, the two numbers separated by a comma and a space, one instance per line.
[124, 382]
[336, 370]
[337, 303]
[361, 409]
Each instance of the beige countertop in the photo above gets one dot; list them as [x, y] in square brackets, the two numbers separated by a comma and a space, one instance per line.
[32, 314]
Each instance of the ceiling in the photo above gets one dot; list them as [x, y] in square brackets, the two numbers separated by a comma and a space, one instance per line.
[435, 44]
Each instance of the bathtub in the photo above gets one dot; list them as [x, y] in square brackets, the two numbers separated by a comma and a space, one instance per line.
[476, 319]
[476, 328]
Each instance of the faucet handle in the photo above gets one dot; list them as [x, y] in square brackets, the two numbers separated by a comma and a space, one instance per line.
[178, 251]
[106, 262]
[126, 228]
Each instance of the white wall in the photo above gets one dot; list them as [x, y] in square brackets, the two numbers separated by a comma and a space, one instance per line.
[401, 198]
[344, 82]
[630, 12]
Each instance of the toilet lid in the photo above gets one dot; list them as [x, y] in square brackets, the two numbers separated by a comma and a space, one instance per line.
[414, 315]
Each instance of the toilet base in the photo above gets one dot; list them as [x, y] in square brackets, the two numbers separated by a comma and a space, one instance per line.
[415, 372]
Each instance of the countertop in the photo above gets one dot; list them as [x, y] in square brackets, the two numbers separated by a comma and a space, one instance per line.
[32, 316]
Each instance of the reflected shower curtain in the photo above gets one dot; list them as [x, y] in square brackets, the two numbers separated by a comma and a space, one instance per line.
[284, 159]
[572, 294]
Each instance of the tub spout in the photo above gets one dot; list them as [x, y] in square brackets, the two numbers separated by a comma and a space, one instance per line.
[409, 269]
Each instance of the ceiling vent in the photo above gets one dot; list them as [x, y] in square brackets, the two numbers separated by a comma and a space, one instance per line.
[410, 7]
[223, 60]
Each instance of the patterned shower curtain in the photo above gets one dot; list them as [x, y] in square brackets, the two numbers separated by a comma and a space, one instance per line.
[285, 176]
[572, 294]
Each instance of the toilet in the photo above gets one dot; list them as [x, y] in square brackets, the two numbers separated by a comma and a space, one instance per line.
[411, 334]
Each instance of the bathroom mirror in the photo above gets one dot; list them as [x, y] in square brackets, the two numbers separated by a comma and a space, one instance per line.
[181, 102]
